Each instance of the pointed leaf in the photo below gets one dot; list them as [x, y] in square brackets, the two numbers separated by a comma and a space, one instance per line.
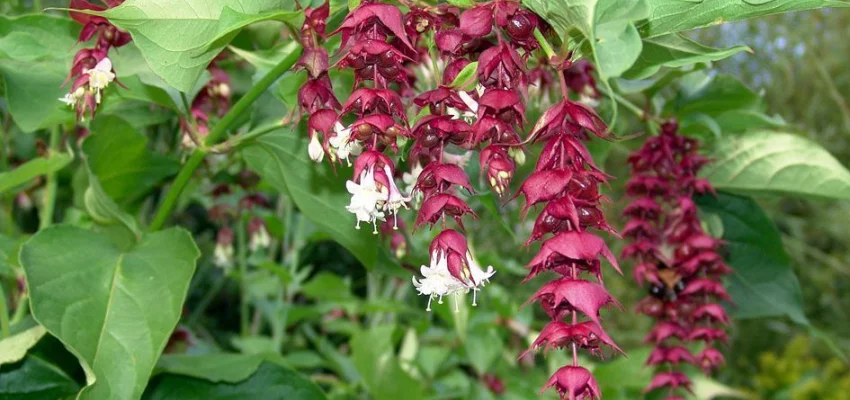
[777, 162]
[114, 309]
[675, 51]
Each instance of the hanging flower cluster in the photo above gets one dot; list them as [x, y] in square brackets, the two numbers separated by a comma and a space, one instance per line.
[488, 118]
[675, 257]
[231, 203]
[91, 70]
[212, 100]
[566, 182]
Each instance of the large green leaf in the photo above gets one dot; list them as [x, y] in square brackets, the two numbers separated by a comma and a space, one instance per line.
[670, 16]
[32, 169]
[269, 382]
[763, 283]
[675, 51]
[34, 378]
[608, 26]
[373, 353]
[777, 162]
[179, 38]
[114, 309]
[118, 155]
[35, 54]
[318, 191]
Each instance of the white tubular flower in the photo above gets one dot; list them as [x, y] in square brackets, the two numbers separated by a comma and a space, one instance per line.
[101, 75]
[409, 179]
[74, 97]
[395, 200]
[468, 100]
[260, 238]
[343, 146]
[366, 200]
[315, 150]
[437, 281]
[479, 276]
[223, 255]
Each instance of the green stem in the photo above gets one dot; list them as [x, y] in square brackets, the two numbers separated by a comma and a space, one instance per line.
[4, 314]
[36, 6]
[218, 132]
[242, 260]
[21, 310]
[46, 217]
[544, 44]
[625, 102]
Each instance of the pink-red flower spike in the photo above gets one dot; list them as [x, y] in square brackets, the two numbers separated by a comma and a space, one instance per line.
[675, 257]
[567, 181]
[91, 71]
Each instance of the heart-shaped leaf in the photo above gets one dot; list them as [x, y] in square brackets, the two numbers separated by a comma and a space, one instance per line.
[114, 309]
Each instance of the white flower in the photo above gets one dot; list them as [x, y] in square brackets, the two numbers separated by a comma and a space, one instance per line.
[589, 101]
[101, 75]
[468, 100]
[479, 276]
[409, 179]
[74, 97]
[314, 149]
[395, 200]
[342, 144]
[366, 199]
[260, 239]
[437, 281]
[223, 255]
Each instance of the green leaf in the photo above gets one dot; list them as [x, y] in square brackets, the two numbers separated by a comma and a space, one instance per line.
[716, 96]
[35, 55]
[32, 169]
[269, 382]
[484, 349]
[318, 191]
[103, 210]
[327, 286]
[777, 162]
[462, 3]
[14, 348]
[118, 155]
[674, 51]
[737, 121]
[113, 309]
[220, 367]
[377, 364]
[763, 283]
[669, 16]
[35, 379]
[179, 38]
[606, 24]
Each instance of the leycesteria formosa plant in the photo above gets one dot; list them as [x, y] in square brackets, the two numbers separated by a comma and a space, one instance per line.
[324, 164]
[676, 258]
